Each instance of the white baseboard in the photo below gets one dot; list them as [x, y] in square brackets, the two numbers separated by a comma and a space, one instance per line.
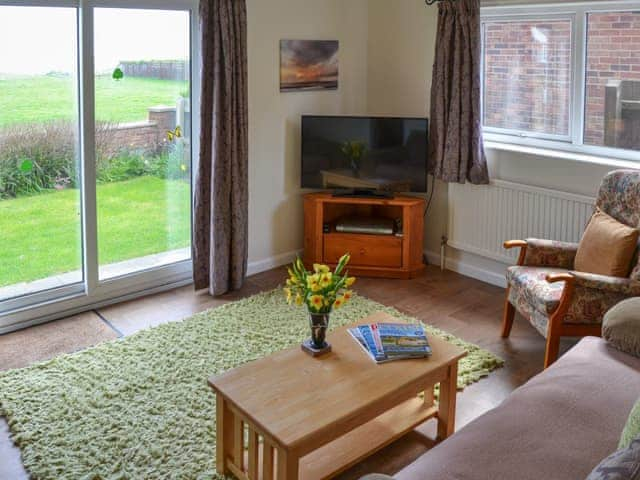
[468, 270]
[457, 266]
[268, 263]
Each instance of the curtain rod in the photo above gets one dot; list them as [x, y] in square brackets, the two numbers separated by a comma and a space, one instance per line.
[431, 2]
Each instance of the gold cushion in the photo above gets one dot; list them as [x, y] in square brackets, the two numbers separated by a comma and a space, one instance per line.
[607, 247]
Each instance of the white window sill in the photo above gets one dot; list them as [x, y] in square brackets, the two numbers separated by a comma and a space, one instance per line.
[551, 153]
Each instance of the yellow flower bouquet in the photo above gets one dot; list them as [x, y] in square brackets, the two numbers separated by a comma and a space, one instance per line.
[321, 291]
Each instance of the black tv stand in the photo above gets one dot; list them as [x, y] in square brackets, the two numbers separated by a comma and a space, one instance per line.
[362, 193]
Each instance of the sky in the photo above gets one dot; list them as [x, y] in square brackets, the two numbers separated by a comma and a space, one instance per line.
[38, 40]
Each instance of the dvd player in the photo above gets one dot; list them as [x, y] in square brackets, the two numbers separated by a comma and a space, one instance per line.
[367, 225]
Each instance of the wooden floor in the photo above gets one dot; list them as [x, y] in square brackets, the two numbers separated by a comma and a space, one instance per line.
[465, 307]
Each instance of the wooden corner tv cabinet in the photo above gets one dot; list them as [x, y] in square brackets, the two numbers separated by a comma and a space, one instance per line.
[392, 256]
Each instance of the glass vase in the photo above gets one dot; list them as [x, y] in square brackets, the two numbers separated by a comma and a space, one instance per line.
[319, 323]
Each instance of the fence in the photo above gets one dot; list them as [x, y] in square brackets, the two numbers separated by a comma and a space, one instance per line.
[160, 69]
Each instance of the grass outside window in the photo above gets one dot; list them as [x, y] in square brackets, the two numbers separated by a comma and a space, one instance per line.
[41, 233]
[49, 97]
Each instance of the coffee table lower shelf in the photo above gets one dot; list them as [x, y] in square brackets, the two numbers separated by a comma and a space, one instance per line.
[339, 455]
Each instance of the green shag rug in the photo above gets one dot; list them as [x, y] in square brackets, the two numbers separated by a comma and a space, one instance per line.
[140, 407]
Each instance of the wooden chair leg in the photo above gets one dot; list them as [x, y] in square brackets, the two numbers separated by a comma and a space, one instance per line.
[508, 316]
[554, 330]
[552, 350]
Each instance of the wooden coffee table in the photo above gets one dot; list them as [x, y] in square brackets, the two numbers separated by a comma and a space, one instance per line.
[313, 418]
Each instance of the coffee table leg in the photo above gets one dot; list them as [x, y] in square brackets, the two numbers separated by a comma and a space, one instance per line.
[287, 467]
[224, 434]
[428, 396]
[447, 403]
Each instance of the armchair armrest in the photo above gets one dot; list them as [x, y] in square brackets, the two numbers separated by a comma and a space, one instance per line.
[586, 297]
[561, 277]
[567, 292]
[509, 244]
[514, 243]
[622, 286]
[544, 253]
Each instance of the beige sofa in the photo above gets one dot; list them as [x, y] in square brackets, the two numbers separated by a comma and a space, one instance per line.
[558, 426]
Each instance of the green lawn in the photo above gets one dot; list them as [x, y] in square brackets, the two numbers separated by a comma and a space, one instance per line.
[42, 98]
[40, 235]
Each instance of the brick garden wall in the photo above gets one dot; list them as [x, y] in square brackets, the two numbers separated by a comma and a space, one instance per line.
[528, 83]
[146, 135]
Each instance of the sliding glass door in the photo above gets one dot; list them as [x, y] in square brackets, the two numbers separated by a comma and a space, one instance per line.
[96, 128]
[143, 151]
[40, 228]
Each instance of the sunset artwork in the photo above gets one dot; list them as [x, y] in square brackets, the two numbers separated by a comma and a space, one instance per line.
[308, 65]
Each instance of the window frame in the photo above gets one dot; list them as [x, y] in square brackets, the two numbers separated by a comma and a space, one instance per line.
[574, 142]
[46, 305]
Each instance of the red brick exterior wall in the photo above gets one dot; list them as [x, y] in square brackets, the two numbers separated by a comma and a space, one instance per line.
[527, 82]
[527, 87]
[613, 52]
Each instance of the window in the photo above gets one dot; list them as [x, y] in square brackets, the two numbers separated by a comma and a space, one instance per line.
[98, 120]
[527, 81]
[612, 106]
[563, 76]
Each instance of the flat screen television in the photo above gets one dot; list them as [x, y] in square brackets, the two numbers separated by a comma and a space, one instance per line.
[364, 154]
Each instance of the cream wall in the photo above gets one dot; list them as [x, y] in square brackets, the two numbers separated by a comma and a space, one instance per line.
[400, 58]
[275, 202]
[386, 57]
[401, 48]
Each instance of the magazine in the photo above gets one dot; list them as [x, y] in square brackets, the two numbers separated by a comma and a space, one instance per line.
[364, 336]
[403, 340]
[385, 342]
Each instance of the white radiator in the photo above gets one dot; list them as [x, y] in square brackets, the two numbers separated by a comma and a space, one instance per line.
[482, 217]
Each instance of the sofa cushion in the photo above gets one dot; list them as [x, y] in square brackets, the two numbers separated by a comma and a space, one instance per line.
[621, 465]
[621, 326]
[632, 427]
[558, 426]
[529, 285]
[607, 247]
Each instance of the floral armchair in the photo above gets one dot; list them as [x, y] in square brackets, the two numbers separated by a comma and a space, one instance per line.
[559, 301]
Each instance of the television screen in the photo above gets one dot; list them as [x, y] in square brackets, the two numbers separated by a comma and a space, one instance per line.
[364, 153]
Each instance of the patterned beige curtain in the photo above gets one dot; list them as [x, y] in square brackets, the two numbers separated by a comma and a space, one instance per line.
[456, 153]
[220, 236]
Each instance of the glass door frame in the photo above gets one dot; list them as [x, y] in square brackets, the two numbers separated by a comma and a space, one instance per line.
[48, 305]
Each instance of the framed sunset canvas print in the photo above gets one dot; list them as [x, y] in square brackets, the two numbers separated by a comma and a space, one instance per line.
[307, 65]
